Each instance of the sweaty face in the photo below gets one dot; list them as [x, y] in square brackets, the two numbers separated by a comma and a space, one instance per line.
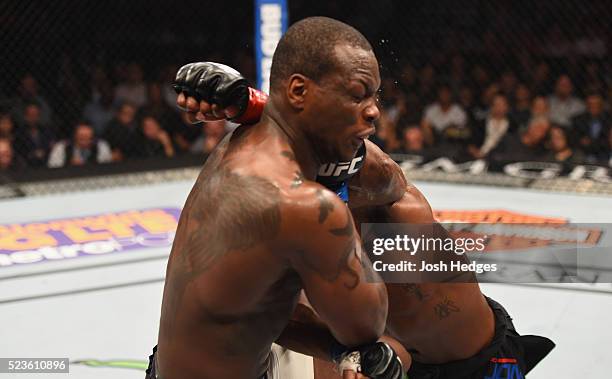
[342, 107]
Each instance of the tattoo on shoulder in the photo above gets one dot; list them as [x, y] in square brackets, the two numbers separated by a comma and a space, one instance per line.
[416, 290]
[445, 308]
[325, 206]
[347, 229]
[216, 222]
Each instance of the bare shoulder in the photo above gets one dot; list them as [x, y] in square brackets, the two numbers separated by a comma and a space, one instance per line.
[380, 181]
[311, 206]
[413, 207]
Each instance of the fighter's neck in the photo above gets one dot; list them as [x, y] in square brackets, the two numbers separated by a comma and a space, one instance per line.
[305, 154]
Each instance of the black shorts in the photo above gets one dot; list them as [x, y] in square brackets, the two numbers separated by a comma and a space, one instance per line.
[509, 356]
[151, 371]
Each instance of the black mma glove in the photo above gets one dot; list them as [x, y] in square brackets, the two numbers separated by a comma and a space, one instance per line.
[376, 361]
[219, 84]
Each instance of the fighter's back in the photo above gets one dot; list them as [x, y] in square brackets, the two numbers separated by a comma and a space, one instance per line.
[228, 292]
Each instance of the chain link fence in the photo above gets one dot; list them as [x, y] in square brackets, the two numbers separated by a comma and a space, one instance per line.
[86, 84]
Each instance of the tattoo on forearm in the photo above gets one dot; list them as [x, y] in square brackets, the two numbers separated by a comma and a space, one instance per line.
[445, 308]
[325, 206]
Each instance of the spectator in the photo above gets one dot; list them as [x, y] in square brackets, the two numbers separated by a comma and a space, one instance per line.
[83, 149]
[32, 138]
[540, 79]
[28, 94]
[443, 118]
[559, 149]
[413, 141]
[99, 79]
[386, 134]
[134, 90]
[466, 101]
[214, 132]
[480, 77]
[8, 160]
[508, 84]
[427, 81]
[539, 112]
[392, 99]
[591, 127]
[186, 135]
[155, 142]
[121, 133]
[456, 77]
[563, 105]
[408, 79]
[522, 106]
[166, 78]
[488, 134]
[156, 106]
[481, 110]
[7, 127]
[523, 146]
[99, 111]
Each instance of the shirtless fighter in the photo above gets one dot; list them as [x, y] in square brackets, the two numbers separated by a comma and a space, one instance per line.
[451, 329]
[257, 229]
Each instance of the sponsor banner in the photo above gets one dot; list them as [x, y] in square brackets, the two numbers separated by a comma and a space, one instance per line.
[76, 237]
[524, 170]
[271, 21]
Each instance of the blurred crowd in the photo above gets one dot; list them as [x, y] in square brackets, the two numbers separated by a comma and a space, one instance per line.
[456, 110]
[127, 119]
[468, 113]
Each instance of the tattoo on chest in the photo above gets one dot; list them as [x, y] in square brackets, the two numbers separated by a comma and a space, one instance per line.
[445, 308]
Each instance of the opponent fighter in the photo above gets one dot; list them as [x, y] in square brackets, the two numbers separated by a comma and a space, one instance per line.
[451, 329]
[256, 229]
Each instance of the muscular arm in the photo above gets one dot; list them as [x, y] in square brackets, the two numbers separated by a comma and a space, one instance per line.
[307, 334]
[328, 260]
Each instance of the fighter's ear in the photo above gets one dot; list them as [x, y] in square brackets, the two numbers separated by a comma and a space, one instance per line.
[296, 90]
